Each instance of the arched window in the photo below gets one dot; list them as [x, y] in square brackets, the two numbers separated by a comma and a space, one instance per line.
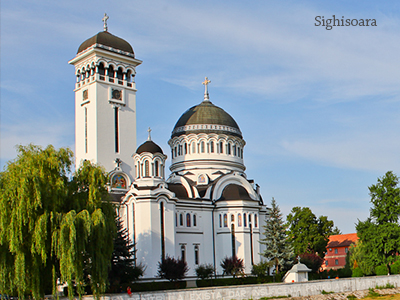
[180, 219]
[225, 220]
[233, 240]
[157, 168]
[102, 71]
[221, 147]
[120, 76]
[244, 220]
[111, 73]
[176, 220]
[249, 218]
[193, 148]
[175, 152]
[239, 220]
[146, 169]
[196, 254]
[212, 147]
[220, 220]
[129, 77]
[188, 223]
[194, 220]
[202, 147]
[232, 218]
[183, 253]
[162, 230]
[185, 148]
[228, 149]
[179, 150]
[255, 221]
[234, 150]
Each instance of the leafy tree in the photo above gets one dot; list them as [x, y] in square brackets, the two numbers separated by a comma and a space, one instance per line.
[308, 233]
[172, 269]
[380, 233]
[232, 266]
[53, 225]
[278, 249]
[358, 262]
[312, 261]
[261, 269]
[204, 271]
[123, 269]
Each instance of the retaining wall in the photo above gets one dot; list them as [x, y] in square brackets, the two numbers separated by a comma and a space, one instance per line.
[264, 290]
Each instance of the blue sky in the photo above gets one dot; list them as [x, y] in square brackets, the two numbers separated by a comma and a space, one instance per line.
[319, 109]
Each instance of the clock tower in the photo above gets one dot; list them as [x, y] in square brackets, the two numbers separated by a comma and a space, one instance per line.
[105, 106]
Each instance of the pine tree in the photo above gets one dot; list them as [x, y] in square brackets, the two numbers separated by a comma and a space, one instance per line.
[123, 269]
[278, 249]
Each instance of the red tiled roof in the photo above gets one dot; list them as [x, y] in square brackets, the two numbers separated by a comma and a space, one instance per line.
[342, 240]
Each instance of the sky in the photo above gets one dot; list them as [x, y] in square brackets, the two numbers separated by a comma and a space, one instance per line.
[319, 109]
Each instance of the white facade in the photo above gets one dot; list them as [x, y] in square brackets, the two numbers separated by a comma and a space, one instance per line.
[206, 209]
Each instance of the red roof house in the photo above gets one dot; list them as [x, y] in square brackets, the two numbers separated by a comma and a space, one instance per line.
[336, 250]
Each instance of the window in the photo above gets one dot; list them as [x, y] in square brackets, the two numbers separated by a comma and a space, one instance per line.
[249, 218]
[330, 249]
[193, 148]
[244, 220]
[326, 263]
[336, 251]
[255, 221]
[181, 219]
[194, 220]
[220, 220]
[157, 166]
[336, 262]
[233, 239]
[221, 147]
[184, 148]
[234, 150]
[228, 149]
[225, 220]
[176, 220]
[202, 147]
[196, 254]
[212, 147]
[188, 223]
[346, 250]
[239, 220]
[183, 252]
[146, 169]
[232, 218]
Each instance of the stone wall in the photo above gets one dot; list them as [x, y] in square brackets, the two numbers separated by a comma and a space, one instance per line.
[264, 290]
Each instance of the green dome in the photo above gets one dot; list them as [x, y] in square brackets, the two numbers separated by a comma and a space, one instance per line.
[207, 118]
[104, 38]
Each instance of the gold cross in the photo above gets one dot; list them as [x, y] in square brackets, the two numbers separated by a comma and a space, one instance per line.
[149, 138]
[205, 83]
[105, 18]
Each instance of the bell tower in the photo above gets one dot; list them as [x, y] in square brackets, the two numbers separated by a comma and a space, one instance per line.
[105, 104]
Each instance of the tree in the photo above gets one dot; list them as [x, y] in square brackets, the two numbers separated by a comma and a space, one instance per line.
[233, 266]
[123, 269]
[278, 248]
[307, 233]
[380, 233]
[53, 225]
[172, 269]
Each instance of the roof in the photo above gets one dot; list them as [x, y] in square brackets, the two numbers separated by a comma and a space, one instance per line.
[299, 267]
[235, 192]
[208, 115]
[107, 39]
[149, 146]
[342, 240]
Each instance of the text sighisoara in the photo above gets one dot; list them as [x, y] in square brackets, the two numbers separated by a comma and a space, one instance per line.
[331, 22]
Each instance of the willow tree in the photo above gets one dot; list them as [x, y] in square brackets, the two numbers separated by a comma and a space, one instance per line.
[53, 225]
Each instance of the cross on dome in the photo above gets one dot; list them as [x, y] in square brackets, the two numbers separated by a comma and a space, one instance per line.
[149, 138]
[206, 95]
[105, 18]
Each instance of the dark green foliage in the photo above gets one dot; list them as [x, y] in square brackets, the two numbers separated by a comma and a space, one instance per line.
[357, 272]
[278, 248]
[380, 233]
[204, 271]
[381, 270]
[53, 225]
[372, 293]
[172, 269]
[308, 233]
[312, 261]
[351, 297]
[123, 269]
[233, 266]
[395, 268]
[261, 269]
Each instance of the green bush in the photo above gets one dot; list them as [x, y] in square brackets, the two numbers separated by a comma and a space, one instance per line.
[381, 270]
[204, 271]
[395, 268]
[261, 269]
[357, 272]
[172, 269]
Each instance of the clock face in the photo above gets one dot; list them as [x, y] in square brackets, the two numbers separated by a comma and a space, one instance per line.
[116, 94]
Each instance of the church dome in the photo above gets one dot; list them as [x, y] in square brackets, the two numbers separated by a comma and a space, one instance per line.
[206, 118]
[106, 40]
[149, 146]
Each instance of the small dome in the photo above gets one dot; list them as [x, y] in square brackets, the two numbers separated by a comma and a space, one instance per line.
[149, 146]
[107, 39]
[211, 118]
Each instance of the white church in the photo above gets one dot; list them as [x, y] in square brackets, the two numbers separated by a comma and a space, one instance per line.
[206, 209]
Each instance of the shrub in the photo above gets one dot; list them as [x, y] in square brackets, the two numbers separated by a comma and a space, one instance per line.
[395, 268]
[312, 261]
[172, 269]
[261, 269]
[357, 272]
[381, 270]
[232, 266]
[204, 271]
